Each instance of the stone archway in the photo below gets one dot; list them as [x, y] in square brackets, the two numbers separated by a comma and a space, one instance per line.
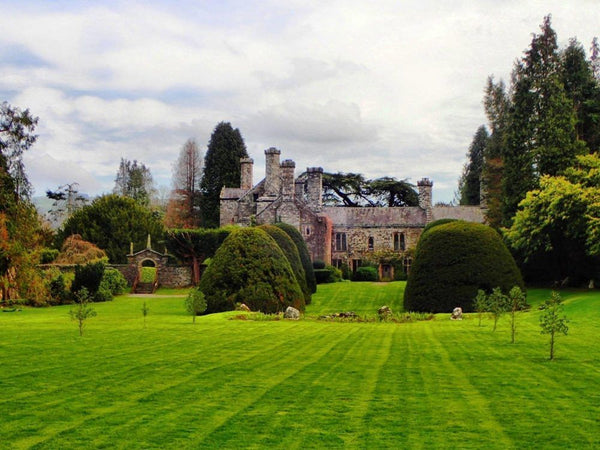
[146, 259]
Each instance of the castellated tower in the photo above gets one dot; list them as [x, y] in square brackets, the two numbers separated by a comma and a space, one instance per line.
[272, 172]
[425, 186]
[314, 187]
[287, 179]
[247, 165]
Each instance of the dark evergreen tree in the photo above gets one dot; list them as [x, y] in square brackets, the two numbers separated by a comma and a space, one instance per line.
[577, 76]
[496, 103]
[221, 169]
[541, 137]
[470, 181]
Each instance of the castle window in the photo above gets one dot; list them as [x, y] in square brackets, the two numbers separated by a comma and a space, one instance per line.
[340, 242]
[371, 243]
[399, 242]
[308, 231]
[407, 262]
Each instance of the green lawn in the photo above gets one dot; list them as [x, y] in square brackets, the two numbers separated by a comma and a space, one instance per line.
[233, 383]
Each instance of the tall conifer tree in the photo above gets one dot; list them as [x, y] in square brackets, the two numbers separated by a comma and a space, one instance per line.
[221, 169]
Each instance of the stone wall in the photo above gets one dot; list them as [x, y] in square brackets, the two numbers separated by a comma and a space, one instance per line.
[175, 276]
[129, 271]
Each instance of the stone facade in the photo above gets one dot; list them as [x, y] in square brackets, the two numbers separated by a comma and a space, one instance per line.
[338, 235]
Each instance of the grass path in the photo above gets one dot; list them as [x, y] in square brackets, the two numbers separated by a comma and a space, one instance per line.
[306, 384]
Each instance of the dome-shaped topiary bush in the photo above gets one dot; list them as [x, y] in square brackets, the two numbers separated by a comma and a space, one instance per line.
[452, 262]
[293, 232]
[249, 267]
[291, 253]
[436, 223]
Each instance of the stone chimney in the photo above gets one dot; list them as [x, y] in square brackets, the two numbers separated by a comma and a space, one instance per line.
[272, 172]
[287, 179]
[247, 166]
[299, 186]
[425, 186]
[314, 187]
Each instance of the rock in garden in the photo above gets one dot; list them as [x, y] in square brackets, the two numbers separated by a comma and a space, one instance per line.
[244, 307]
[456, 314]
[384, 312]
[291, 313]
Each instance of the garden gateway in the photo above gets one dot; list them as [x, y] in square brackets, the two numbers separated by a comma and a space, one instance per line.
[337, 235]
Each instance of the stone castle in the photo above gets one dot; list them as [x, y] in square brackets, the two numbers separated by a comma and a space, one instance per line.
[337, 235]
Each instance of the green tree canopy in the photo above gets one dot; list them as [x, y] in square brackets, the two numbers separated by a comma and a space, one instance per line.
[559, 223]
[134, 180]
[353, 189]
[221, 168]
[112, 222]
[470, 181]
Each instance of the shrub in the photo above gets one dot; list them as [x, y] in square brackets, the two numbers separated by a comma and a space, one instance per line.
[48, 255]
[58, 289]
[113, 281]
[291, 253]
[293, 232]
[452, 262]
[250, 268]
[318, 264]
[328, 274]
[366, 274]
[89, 277]
[195, 303]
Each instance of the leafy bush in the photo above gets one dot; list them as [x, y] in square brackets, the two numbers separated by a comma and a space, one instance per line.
[291, 252]
[48, 255]
[329, 274]
[250, 268]
[293, 232]
[57, 288]
[366, 274]
[195, 303]
[318, 264]
[452, 262]
[88, 276]
[113, 281]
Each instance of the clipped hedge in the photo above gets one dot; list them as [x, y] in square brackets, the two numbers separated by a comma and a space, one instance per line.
[291, 253]
[249, 267]
[293, 232]
[328, 274]
[366, 273]
[452, 262]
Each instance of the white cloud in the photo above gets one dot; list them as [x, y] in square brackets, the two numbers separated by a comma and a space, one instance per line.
[385, 88]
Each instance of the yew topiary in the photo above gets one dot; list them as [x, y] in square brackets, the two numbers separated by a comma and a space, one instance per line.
[452, 262]
[291, 252]
[293, 232]
[250, 268]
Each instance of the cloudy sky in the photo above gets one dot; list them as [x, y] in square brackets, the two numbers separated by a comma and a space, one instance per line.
[382, 88]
